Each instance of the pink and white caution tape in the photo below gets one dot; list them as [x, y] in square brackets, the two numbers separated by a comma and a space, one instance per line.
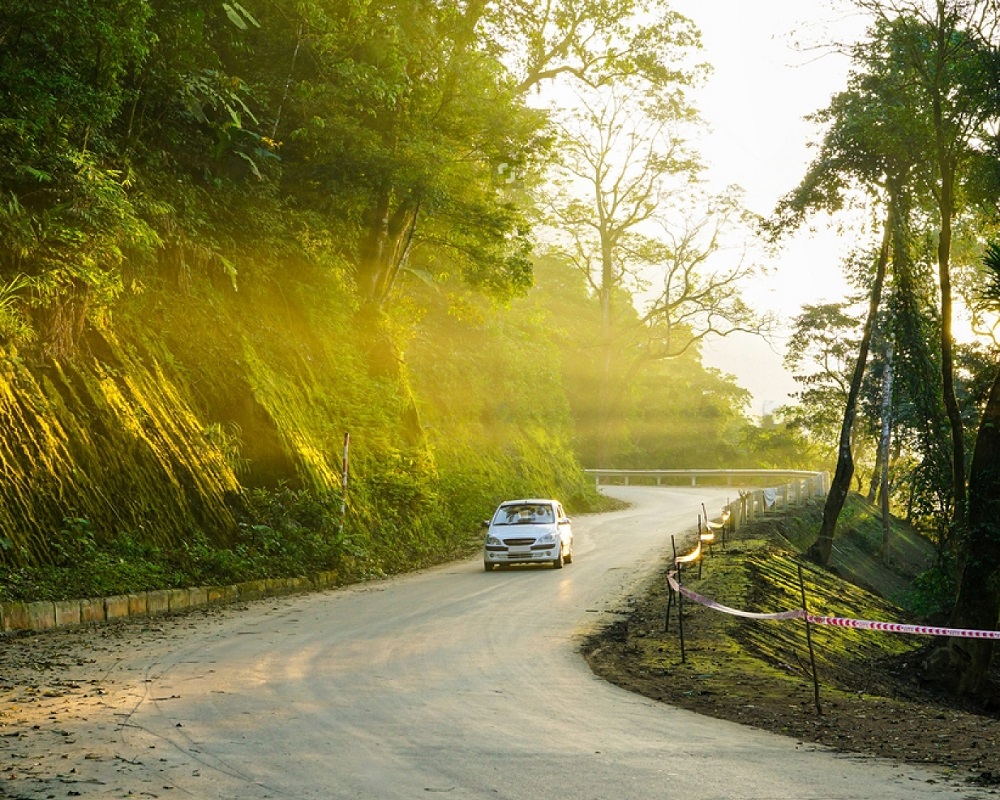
[793, 614]
[840, 622]
[896, 627]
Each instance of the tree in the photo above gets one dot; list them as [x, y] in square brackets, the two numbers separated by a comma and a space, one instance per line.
[134, 153]
[408, 121]
[937, 62]
[820, 354]
[594, 43]
[407, 129]
[885, 435]
[847, 155]
[781, 441]
[839, 486]
[66, 218]
[195, 134]
[682, 414]
[913, 327]
[402, 119]
[675, 413]
[624, 217]
[963, 664]
[943, 49]
[878, 140]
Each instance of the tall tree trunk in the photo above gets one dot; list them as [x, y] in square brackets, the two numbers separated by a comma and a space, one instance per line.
[384, 247]
[382, 252]
[947, 352]
[607, 392]
[962, 665]
[947, 167]
[883, 450]
[876, 481]
[820, 550]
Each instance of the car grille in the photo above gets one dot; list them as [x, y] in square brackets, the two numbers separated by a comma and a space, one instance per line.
[518, 542]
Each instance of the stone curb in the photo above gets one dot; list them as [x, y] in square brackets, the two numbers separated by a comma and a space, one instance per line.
[46, 614]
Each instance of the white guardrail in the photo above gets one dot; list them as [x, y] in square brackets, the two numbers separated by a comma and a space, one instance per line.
[783, 488]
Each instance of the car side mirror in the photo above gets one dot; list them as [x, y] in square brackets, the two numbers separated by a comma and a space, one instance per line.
[486, 523]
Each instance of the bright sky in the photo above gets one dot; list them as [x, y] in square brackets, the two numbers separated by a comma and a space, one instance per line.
[761, 89]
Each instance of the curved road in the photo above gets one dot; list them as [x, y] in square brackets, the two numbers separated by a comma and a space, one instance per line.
[463, 683]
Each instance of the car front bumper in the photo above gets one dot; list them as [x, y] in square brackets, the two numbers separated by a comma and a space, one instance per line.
[518, 555]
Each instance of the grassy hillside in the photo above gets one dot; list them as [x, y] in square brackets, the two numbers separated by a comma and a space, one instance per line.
[198, 437]
[857, 551]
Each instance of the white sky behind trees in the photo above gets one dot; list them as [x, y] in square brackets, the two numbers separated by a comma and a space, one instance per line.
[763, 85]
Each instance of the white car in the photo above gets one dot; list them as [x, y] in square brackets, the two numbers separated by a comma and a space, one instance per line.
[528, 532]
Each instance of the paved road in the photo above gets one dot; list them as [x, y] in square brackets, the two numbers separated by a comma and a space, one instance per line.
[462, 683]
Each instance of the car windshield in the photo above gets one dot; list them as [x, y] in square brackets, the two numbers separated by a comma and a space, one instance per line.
[524, 514]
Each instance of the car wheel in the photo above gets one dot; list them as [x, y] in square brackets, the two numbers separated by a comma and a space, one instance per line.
[487, 566]
[569, 555]
[558, 563]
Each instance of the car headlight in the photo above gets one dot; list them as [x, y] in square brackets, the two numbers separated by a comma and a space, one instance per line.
[548, 538]
[493, 540]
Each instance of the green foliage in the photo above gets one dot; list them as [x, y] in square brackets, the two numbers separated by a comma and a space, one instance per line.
[933, 591]
[821, 354]
[785, 440]
[398, 124]
[283, 532]
[671, 412]
[233, 396]
[991, 263]
[84, 567]
[200, 205]
[257, 493]
[909, 132]
[626, 211]
[14, 326]
[65, 206]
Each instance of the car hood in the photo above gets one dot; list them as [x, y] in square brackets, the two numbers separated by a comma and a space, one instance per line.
[517, 531]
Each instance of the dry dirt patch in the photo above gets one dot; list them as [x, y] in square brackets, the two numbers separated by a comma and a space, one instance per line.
[64, 697]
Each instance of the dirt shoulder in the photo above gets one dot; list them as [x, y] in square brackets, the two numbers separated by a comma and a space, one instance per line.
[65, 696]
[871, 699]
